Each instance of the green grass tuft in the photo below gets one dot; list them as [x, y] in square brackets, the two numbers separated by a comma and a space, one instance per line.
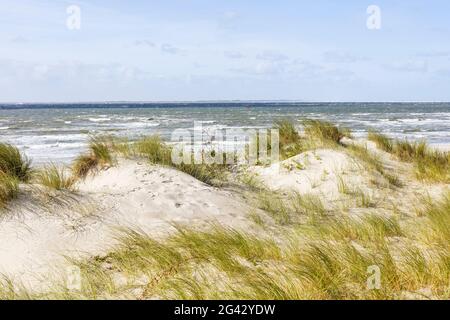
[438, 214]
[154, 149]
[14, 163]
[381, 140]
[9, 188]
[430, 165]
[324, 131]
[56, 178]
[99, 155]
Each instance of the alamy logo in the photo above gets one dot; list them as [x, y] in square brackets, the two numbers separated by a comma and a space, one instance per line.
[73, 280]
[73, 21]
[374, 19]
[225, 146]
[374, 278]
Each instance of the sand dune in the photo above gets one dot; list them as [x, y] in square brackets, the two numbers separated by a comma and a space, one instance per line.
[37, 233]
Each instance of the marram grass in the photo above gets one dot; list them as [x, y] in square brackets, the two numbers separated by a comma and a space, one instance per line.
[56, 178]
[99, 155]
[14, 163]
[430, 165]
[9, 188]
[330, 262]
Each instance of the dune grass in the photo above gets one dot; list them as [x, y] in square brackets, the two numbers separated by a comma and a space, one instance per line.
[288, 210]
[317, 133]
[332, 261]
[290, 142]
[368, 229]
[438, 219]
[325, 131]
[99, 155]
[275, 206]
[373, 162]
[55, 178]
[430, 165]
[382, 141]
[308, 204]
[9, 188]
[14, 163]
[156, 151]
[335, 259]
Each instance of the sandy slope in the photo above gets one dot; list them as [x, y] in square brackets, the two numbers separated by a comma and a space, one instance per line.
[37, 232]
[310, 172]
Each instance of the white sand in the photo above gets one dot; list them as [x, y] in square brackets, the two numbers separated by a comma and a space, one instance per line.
[311, 172]
[34, 236]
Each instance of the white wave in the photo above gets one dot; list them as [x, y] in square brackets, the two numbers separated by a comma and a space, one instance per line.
[99, 119]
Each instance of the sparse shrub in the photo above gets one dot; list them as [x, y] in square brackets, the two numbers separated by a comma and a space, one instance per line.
[14, 163]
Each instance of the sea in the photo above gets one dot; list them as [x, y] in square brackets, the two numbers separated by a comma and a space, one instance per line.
[59, 132]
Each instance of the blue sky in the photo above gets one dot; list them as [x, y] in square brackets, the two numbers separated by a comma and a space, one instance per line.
[178, 50]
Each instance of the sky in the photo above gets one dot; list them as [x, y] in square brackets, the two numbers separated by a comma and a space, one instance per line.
[191, 50]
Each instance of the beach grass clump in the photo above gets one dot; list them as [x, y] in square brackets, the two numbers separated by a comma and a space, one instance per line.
[373, 162]
[212, 174]
[99, 155]
[372, 228]
[275, 206]
[324, 131]
[100, 147]
[382, 141]
[154, 149]
[290, 141]
[9, 188]
[55, 178]
[438, 219]
[14, 163]
[308, 204]
[288, 134]
[433, 166]
[430, 165]
[84, 164]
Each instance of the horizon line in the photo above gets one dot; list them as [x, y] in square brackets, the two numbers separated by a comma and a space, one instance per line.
[214, 101]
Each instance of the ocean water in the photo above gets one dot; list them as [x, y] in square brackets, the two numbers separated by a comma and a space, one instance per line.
[58, 132]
